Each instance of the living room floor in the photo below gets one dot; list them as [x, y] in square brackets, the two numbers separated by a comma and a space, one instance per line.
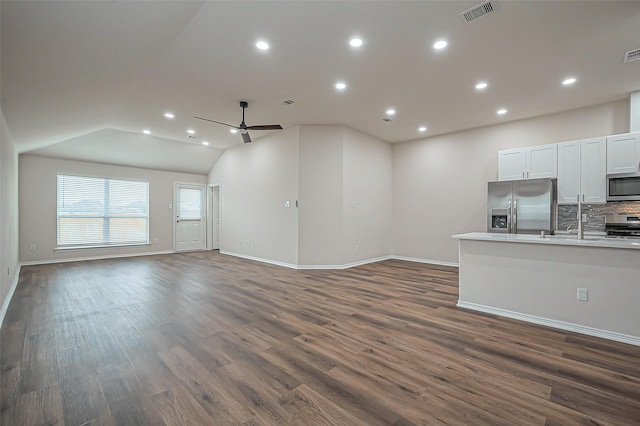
[205, 338]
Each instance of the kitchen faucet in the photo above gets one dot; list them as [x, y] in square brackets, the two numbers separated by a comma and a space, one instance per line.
[580, 227]
[580, 230]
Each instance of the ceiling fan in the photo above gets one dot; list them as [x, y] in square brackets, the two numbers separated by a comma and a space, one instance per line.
[243, 128]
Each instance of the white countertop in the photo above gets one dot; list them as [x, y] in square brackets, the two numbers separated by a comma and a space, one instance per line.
[565, 240]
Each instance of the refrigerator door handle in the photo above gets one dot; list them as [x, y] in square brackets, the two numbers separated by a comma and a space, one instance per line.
[509, 217]
[514, 225]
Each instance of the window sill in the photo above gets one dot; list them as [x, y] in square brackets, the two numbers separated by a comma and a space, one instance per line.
[70, 248]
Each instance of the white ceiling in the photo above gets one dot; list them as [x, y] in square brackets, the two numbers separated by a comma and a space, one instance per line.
[82, 79]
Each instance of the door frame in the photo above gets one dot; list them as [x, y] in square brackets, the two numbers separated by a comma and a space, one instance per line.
[211, 216]
[176, 209]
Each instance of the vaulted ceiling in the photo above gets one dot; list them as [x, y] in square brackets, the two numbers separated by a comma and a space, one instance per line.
[83, 79]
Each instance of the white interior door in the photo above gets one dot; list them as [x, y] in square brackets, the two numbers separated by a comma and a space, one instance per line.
[214, 209]
[189, 217]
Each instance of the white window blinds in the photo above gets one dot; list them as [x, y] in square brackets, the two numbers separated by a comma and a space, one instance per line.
[101, 212]
[190, 204]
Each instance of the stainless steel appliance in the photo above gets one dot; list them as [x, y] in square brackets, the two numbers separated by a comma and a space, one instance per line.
[623, 187]
[522, 206]
[622, 225]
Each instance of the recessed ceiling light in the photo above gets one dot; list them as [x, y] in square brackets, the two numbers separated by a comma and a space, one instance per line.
[440, 44]
[233, 131]
[341, 85]
[355, 42]
[422, 128]
[569, 81]
[391, 111]
[205, 143]
[191, 131]
[146, 131]
[169, 115]
[501, 111]
[481, 85]
[262, 45]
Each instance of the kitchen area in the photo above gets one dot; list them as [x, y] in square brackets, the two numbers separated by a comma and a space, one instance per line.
[562, 244]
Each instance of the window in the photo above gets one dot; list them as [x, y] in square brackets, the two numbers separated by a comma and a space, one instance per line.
[102, 212]
[190, 204]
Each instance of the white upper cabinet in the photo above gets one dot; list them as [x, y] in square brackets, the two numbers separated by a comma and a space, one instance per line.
[582, 171]
[542, 161]
[593, 170]
[511, 164]
[528, 163]
[623, 153]
[568, 172]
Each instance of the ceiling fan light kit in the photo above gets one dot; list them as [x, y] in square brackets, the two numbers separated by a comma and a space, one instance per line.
[243, 129]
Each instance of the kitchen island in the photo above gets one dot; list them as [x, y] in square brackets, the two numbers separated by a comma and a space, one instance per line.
[536, 279]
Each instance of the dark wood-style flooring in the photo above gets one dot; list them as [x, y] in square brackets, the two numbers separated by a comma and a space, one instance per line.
[207, 339]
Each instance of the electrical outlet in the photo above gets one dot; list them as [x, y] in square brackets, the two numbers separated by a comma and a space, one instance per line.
[582, 294]
[357, 248]
[155, 241]
[287, 204]
[32, 247]
[249, 244]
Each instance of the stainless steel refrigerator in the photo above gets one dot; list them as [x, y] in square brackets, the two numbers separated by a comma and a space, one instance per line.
[522, 206]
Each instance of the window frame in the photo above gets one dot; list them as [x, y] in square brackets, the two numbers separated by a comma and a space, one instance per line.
[63, 247]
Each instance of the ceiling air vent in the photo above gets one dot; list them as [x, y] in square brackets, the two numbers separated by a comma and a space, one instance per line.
[478, 11]
[288, 102]
[632, 55]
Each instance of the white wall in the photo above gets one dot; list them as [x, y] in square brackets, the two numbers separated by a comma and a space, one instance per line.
[320, 214]
[439, 183]
[8, 211]
[367, 182]
[38, 206]
[256, 180]
[332, 166]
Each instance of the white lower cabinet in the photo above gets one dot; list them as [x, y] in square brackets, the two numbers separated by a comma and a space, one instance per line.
[582, 171]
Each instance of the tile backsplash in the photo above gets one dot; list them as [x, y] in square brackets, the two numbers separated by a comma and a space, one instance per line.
[567, 214]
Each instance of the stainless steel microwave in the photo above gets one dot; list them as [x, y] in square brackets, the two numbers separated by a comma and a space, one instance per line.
[623, 187]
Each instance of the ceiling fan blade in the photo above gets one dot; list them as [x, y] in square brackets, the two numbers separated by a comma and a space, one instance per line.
[218, 122]
[265, 127]
[245, 137]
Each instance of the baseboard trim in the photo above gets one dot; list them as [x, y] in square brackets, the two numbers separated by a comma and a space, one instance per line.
[305, 267]
[108, 256]
[245, 256]
[347, 265]
[577, 328]
[433, 262]
[259, 259]
[5, 304]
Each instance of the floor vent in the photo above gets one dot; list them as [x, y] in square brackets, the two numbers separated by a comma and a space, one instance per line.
[478, 11]
[288, 102]
[632, 55]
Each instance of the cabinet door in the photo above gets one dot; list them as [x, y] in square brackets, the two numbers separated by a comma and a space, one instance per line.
[542, 161]
[568, 172]
[511, 164]
[593, 174]
[623, 153]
